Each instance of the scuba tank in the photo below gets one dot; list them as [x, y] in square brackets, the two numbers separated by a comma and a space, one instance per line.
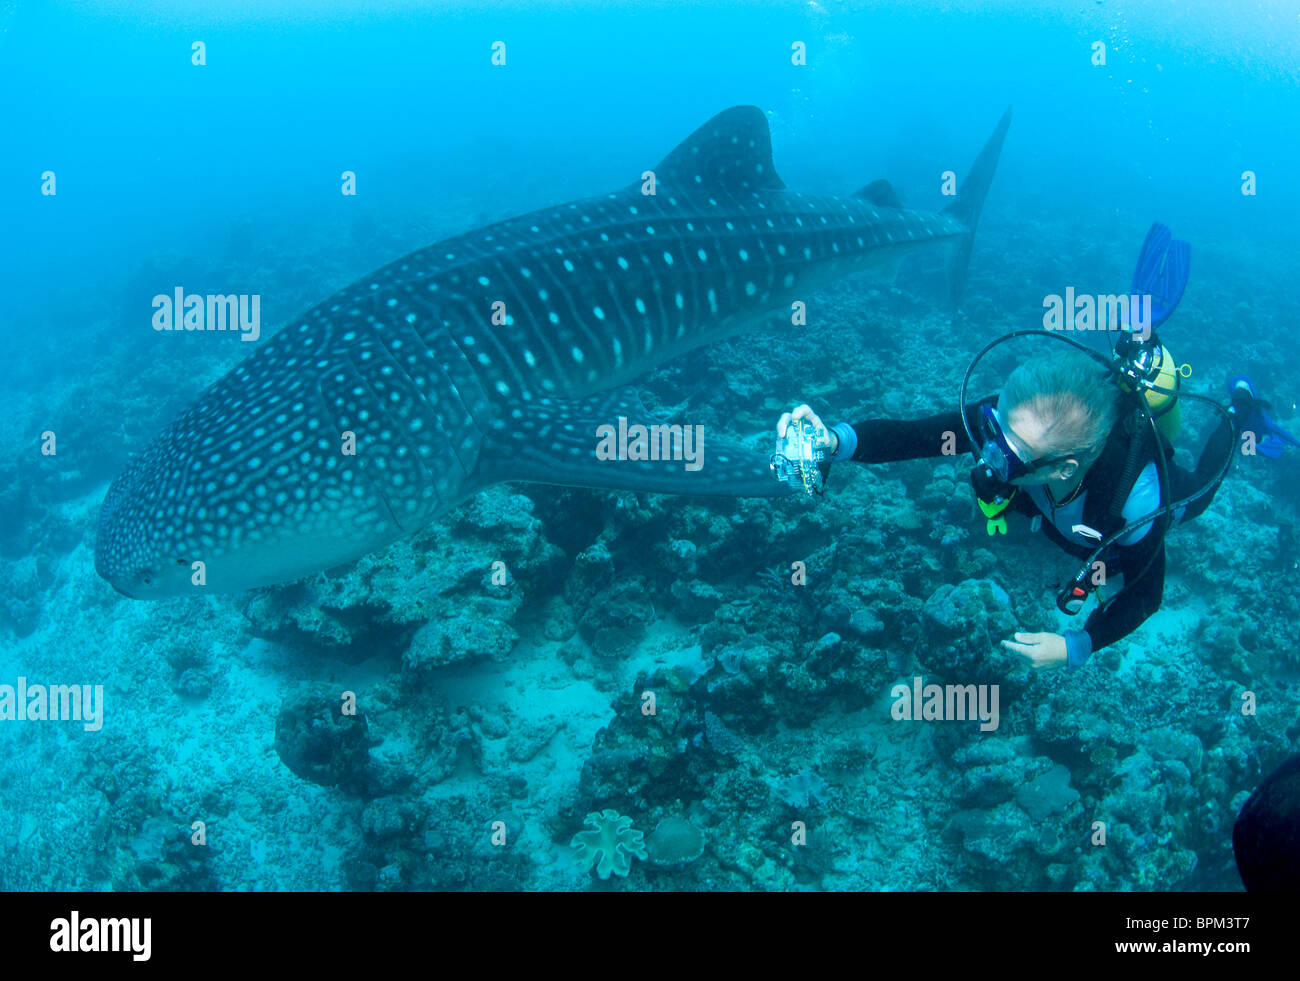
[1147, 366]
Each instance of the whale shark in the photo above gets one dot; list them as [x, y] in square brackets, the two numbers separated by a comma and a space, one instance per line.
[502, 354]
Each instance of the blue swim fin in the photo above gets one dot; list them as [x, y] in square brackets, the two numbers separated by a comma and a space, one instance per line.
[1271, 440]
[1162, 269]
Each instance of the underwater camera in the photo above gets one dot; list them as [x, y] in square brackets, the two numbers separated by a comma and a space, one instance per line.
[797, 456]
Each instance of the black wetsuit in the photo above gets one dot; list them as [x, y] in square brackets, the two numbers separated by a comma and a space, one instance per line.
[1139, 554]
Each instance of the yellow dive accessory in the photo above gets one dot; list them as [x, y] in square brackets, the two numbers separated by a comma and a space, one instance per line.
[1151, 364]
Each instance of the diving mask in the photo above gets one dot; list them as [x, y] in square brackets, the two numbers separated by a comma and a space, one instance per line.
[1000, 454]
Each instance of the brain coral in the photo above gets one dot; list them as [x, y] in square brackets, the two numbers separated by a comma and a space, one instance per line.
[611, 846]
[675, 841]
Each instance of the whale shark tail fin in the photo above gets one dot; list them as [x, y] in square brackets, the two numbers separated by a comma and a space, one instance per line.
[970, 202]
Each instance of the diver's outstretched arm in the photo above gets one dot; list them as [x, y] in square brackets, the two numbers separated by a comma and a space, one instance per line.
[891, 440]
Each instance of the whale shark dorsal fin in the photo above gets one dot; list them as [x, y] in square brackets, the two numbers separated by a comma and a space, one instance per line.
[880, 192]
[732, 151]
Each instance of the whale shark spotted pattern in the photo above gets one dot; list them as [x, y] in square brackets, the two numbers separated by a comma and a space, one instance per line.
[252, 479]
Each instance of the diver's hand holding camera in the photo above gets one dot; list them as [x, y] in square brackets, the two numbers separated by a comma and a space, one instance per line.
[803, 443]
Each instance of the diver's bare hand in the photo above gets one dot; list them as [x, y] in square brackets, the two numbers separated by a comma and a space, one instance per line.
[805, 412]
[1042, 650]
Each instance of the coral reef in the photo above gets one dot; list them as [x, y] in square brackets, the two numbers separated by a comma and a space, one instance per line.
[318, 742]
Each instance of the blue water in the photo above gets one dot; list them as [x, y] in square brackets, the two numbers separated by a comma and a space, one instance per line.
[226, 177]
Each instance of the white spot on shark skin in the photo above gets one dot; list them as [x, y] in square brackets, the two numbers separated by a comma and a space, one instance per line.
[668, 258]
[750, 289]
[679, 300]
[577, 354]
[649, 229]
[529, 359]
[640, 305]
[553, 317]
[622, 263]
[618, 352]
[713, 301]
[568, 266]
[744, 255]
[503, 388]
[600, 314]
[525, 272]
[703, 255]
[483, 280]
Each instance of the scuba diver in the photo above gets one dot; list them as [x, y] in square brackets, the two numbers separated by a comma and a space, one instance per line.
[1082, 444]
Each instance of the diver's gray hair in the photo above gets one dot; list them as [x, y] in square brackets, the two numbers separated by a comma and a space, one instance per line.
[1073, 396]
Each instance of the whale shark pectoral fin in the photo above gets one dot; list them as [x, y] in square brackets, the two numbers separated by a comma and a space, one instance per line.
[732, 150]
[610, 441]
